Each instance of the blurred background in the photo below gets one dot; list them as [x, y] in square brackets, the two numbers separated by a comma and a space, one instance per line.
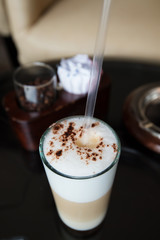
[47, 30]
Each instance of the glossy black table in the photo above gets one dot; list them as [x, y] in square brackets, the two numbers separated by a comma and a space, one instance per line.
[27, 209]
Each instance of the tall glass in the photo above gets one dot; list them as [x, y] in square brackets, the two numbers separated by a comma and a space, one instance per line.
[81, 200]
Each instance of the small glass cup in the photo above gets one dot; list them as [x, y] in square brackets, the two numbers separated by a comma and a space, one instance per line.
[82, 202]
[35, 86]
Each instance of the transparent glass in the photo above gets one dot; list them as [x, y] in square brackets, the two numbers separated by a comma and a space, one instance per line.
[35, 86]
[81, 201]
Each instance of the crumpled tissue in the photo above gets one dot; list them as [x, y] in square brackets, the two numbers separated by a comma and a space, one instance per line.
[74, 74]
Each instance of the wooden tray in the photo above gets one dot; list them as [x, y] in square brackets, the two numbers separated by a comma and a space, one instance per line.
[29, 126]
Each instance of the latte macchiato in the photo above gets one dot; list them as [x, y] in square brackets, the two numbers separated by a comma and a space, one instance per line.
[80, 165]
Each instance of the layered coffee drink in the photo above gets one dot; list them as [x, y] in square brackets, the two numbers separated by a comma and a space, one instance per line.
[80, 164]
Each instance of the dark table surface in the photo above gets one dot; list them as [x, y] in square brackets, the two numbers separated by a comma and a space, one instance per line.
[27, 209]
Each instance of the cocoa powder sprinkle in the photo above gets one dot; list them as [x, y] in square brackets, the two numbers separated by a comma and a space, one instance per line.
[114, 146]
[87, 155]
[51, 143]
[95, 124]
[57, 127]
[58, 153]
[68, 141]
[50, 152]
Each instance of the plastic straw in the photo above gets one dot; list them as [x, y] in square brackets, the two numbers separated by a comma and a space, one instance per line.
[97, 63]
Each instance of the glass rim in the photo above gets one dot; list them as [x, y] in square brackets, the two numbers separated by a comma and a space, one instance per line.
[43, 158]
[28, 65]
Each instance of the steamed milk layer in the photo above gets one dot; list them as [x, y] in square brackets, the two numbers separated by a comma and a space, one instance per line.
[74, 170]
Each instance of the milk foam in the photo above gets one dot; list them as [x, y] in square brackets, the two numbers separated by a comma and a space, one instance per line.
[85, 182]
[78, 161]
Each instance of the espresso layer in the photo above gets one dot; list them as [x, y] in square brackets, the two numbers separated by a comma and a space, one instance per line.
[82, 216]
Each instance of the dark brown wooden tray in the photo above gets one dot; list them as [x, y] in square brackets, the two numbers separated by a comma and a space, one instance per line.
[29, 126]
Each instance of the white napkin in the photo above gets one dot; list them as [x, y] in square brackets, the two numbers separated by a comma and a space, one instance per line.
[74, 74]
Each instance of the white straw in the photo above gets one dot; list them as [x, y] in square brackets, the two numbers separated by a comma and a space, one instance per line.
[97, 63]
